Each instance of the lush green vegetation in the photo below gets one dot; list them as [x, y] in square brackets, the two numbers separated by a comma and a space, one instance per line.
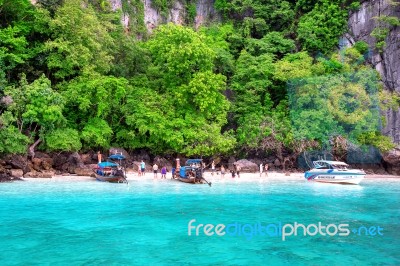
[267, 78]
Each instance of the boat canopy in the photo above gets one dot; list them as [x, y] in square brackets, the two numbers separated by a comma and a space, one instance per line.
[329, 164]
[194, 161]
[117, 157]
[107, 164]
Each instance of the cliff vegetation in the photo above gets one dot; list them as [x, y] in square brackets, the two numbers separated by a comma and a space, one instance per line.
[268, 76]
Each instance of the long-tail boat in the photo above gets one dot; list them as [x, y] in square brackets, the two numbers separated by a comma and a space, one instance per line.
[111, 171]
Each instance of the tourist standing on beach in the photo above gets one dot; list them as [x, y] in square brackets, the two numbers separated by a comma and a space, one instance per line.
[173, 173]
[238, 170]
[261, 169]
[164, 172]
[222, 171]
[212, 167]
[266, 169]
[99, 156]
[155, 170]
[142, 168]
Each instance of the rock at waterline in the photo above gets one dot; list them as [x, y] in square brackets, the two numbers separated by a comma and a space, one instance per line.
[8, 178]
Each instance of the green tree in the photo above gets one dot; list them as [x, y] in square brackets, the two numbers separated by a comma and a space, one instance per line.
[13, 49]
[258, 16]
[294, 66]
[319, 30]
[80, 41]
[130, 57]
[181, 108]
[334, 105]
[11, 139]
[93, 107]
[36, 108]
[22, 30]
[178, 53]
[272, 43]
[50, 5]
[217, 39]
[63, 139]
[251, 83]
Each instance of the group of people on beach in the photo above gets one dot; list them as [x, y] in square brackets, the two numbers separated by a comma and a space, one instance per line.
[163, 171]
[262, 169]
[235, 171]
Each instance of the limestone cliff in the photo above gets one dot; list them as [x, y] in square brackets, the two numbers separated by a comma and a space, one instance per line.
[177, 14]
[387, 61]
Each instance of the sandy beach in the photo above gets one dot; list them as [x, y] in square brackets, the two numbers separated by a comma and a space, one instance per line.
[244, 177]
[272, 175]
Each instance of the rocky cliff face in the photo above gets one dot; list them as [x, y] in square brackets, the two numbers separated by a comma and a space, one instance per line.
[205, 12]
[152, 18]
[361, 23]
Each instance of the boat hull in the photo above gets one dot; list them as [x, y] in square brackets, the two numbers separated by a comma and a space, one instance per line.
[110, 179]
[340, 180]
[325, 171]
[190, 180]
[350, 178]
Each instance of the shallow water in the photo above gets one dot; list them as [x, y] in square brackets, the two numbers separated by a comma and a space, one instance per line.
[146, 222]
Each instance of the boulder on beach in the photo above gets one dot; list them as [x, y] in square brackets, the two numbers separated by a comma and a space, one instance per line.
[47, 163]
[246, 166]
[18, 162]
[17, 173]
[36, 164]
[5, 177]
[75, 159]
[161, 161]
[46, 174]
[60, 161]
[392, 159]
[120, 151]
[39, 174]
[31, 174]
[87, 170]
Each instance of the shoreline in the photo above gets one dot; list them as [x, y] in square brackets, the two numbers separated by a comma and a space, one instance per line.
[247, 177]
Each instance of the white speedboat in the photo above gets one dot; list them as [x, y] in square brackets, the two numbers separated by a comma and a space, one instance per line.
[334, 172]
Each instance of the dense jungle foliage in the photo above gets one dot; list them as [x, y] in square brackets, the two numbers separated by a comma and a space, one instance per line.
[269, 76]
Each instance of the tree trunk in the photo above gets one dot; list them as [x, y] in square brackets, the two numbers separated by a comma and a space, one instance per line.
[32, 148]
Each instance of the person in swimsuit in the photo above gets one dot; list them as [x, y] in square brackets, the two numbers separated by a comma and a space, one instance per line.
[155, 170]
[164, 172]
[142, 167]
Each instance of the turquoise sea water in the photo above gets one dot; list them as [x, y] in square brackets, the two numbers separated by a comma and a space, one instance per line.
[146, 223]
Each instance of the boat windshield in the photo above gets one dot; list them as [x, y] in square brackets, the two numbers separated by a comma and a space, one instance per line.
[321, 165]
[330, 165]
[339, 166]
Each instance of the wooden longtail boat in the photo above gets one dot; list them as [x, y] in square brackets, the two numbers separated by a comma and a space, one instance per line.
[111, 171]
[191, 173]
